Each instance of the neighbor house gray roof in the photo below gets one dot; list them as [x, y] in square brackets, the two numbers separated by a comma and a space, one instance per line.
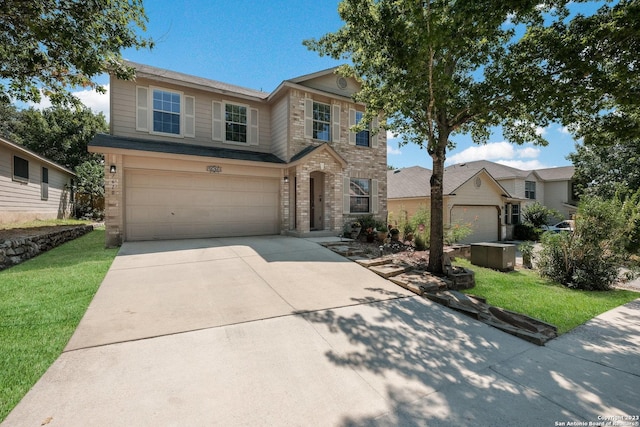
[496, 170]
[148, 71]
[563, 173]
[408, 182]
[415, 181]
[110, 141]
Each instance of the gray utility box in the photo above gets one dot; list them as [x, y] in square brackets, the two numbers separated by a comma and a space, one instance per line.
[498, 256]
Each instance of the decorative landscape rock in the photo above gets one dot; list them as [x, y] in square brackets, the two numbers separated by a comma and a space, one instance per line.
[444, 291]
[520, 325]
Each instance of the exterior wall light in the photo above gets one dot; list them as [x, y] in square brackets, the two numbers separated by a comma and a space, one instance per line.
[112, 168]
[286, 179]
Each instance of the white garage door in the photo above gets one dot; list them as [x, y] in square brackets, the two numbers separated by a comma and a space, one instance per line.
[483, 220]
[170, 205]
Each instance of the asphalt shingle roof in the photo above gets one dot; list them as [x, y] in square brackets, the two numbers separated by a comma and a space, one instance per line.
[415, 181]
[181, 78]
[110, 141]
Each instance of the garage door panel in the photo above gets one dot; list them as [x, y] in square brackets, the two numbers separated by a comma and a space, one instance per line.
[483, 221]
[164, 205]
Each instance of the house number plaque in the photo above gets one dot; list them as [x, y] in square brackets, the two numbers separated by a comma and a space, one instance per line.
[214, 169]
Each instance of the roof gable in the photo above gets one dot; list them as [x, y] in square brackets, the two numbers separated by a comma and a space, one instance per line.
[328, 81]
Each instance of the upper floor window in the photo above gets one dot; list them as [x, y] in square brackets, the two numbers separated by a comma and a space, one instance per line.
[362, 137]
[321, 121]
[235, 117]
[234, 123]
[20, 169]
[530, 190]
[166, 112]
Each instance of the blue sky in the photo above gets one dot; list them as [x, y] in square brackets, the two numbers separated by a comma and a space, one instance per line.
[258, 44]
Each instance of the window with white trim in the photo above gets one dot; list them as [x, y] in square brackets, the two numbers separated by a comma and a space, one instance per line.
[362, 137]
[321, 121]
[235, 122]
[360, 195]
[20, 169]
[166, 111]
[530, 190]
[515, 214]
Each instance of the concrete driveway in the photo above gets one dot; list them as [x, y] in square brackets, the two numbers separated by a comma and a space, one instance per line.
[281, 331]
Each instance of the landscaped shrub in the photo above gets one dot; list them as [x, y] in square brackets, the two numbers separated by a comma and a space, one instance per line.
[420, 223]
[457, 232]
[536, 215]
[589, 257]
[526, 232]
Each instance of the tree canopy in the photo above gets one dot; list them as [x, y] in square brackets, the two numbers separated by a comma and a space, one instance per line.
[436, 68]
[585, 71]
[47, 47]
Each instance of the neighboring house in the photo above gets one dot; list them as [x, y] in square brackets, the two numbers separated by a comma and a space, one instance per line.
[488, 195]
[189, 157]
[32, 187]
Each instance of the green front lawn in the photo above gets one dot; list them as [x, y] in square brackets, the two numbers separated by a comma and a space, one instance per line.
[43, 300]
[524, 291]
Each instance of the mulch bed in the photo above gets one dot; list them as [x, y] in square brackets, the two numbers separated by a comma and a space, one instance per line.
[19, 233]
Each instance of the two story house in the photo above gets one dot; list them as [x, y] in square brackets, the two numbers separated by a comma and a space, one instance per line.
[487, 195]
[189, 157]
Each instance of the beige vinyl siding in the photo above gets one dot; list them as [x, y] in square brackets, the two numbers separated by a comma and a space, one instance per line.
[23, 201]
[329, 83]
[280, 129]
[123, 115]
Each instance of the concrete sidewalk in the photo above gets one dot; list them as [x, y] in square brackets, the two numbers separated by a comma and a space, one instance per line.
[281, 331]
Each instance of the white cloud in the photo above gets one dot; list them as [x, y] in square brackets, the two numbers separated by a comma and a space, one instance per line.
[540, 131]
[98, 102]
[393, 150]
[564, 130]
[494, 151]
[523, 164]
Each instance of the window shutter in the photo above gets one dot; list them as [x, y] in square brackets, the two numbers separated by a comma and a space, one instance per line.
[189, 116]
[308, 118]
[142, 109]
[352, 122]
[253, 126]
[374, 196]
[374, 136]
[217, 121]
[335, 120]
[346, 199]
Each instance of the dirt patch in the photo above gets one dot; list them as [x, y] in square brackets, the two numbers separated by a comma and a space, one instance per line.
[19, 233]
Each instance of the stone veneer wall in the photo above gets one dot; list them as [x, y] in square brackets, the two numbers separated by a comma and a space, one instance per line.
[15, 251]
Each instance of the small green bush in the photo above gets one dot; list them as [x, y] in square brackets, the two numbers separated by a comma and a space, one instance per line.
[420, 226]
[457, 232]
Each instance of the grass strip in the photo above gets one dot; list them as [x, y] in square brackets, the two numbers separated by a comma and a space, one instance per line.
[524, 291]
[43, 300]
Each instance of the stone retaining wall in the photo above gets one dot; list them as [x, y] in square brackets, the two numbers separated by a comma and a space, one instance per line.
[15, 251]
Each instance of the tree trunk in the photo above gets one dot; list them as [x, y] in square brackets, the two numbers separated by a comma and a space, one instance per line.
[436, 244]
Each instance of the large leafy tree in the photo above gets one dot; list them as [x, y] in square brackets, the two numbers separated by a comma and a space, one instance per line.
[586, 71]
[607, 169]
[49, 46]
[60, 134]
[436, 68]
